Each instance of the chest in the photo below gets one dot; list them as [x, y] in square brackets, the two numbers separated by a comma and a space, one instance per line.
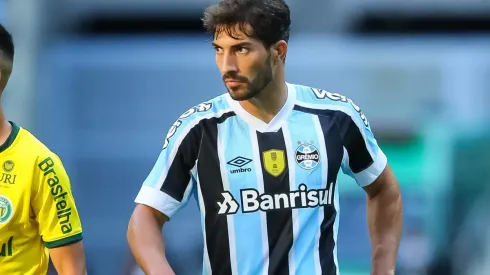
[15, 190]
[301, 154]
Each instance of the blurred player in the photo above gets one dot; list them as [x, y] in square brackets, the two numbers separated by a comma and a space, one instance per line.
[262, 161]
[38, 216]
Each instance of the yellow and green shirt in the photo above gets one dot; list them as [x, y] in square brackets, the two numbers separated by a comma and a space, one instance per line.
[37, 209]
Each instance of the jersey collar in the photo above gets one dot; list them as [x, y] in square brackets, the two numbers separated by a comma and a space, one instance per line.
[276, 123]
[11, 138]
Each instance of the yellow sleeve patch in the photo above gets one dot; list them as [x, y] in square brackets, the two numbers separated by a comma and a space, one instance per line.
[53, 203]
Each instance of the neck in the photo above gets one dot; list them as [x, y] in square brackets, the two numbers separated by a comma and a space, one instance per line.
[269, 102]
[5, 127]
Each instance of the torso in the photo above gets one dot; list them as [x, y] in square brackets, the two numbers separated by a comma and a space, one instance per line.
[267, 192]
[269, 188]
[21, 248]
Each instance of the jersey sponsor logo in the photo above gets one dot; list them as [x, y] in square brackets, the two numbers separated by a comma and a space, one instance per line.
[239, 162]
[274, 162]
[203, 107]
[6, 209]
[229, 205]
[322, 94]
[59, 195]
[6, 249]
[253, 201]
[8, 166]
[359, 111]
[7, 177]
[307, 156]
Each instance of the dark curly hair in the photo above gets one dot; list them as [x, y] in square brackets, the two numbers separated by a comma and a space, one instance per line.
[6, 43]
[269, 19]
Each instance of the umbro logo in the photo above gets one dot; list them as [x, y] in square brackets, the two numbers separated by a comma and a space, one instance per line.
[239, 162]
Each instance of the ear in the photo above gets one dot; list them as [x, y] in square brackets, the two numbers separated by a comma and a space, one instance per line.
[5, 71]
[279, 50]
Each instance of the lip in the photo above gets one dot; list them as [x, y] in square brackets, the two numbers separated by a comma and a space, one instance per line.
[233, 83]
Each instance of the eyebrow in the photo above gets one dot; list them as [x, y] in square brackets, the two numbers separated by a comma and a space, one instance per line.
[241, 44]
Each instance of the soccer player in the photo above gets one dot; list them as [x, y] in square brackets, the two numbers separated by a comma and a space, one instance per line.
[262, 161]
[38, 216]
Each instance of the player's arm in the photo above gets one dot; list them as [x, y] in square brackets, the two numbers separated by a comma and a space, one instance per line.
[166, 189]
[367, 164]
[54, 207]
[384, 204]
[146, 241]
[69, 259]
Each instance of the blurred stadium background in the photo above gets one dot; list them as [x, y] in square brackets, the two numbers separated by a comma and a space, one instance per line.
[101, 81]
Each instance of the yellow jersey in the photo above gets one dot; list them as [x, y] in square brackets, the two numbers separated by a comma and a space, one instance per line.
[37, 209]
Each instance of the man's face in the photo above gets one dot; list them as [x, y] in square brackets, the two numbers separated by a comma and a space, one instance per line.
[244, 63]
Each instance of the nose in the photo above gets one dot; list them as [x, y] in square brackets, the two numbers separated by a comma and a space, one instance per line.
[229, 63]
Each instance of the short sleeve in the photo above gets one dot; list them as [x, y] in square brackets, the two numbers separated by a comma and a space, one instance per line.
[170, 183]
[363, 158]
[54, 205]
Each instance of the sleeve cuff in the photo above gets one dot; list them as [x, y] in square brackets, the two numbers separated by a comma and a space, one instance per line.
[65, 241]
[370, 174]
[158, 200]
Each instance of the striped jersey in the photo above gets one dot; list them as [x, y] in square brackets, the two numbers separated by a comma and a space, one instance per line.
[267, 192]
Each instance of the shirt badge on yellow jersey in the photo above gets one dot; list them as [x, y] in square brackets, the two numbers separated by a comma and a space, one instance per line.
[8, 176]
[6, 209]
[8, 166]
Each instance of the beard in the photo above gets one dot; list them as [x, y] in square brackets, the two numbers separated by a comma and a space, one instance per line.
[252, 88]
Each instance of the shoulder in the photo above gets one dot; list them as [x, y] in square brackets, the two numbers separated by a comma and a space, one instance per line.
[321, 99]
[188, 122]
[33, 148]
[323, 102]
[214, 107]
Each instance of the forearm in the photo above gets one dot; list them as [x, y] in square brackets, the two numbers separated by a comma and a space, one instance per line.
[385, 227]
[146, 243]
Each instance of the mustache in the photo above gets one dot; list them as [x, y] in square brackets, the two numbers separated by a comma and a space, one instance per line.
[233, 76]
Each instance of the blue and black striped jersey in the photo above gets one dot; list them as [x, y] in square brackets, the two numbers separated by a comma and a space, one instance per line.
[267, 191]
